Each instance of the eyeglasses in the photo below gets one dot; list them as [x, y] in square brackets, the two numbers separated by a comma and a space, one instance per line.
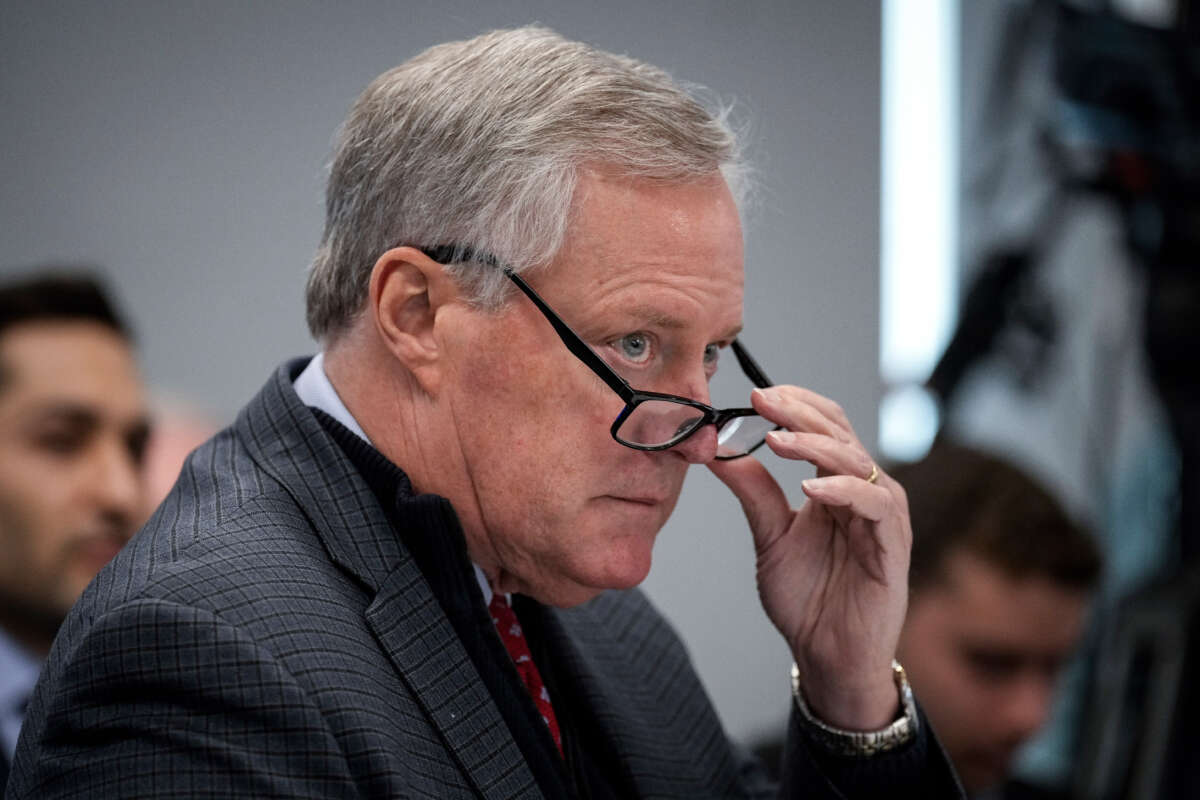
[650, 420]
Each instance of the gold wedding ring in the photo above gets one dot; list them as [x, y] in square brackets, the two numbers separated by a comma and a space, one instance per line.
[874, 476]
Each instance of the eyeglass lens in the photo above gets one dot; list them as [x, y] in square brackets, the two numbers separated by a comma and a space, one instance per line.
[654, 423]
[740, 435]
[658, 422]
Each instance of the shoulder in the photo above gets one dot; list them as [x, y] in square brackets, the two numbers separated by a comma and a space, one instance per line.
[622, 618]
[622, 640]
[158, 695]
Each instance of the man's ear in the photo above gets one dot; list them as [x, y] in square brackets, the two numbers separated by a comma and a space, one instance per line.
[407, 291]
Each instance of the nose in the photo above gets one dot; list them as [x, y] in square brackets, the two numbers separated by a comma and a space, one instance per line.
[117, 485]
[1028, 706]
[700, 447]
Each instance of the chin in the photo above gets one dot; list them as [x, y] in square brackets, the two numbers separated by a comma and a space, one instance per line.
[620, 567]
[566, 598]
[626, 562]
[632, 575]
[979, 779]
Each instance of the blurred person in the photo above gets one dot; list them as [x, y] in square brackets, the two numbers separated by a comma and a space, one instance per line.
[73, 426]
[1000, 585]
[410, 567]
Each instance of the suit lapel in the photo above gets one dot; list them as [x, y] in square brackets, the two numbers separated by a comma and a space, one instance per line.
[640, 690]
[288, 442]
[423, 645]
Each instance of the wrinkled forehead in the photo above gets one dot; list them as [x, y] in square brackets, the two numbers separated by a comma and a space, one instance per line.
[631, 237]
[686, 209]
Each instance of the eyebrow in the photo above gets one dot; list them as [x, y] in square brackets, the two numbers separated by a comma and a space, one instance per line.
[70, 412]
[82, 415]
[733, 332]
[659, 318]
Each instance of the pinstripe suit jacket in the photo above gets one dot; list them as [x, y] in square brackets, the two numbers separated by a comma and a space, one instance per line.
[267, 635]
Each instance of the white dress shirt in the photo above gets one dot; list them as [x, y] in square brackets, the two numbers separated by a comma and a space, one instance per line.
[19, 671]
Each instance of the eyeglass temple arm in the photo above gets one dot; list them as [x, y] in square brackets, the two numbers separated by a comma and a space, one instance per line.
[573, 342]
[749, 366]
[449, 254]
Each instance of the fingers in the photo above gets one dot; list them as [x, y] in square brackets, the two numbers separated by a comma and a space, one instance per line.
[860, 498]
[829, 456]
[874, 518]
[817, 431]
[800, 409]
[766, 506]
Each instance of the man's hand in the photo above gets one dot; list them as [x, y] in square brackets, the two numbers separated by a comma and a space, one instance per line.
[832, 575]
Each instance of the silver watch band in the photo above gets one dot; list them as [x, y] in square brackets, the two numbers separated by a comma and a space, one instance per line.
[862, 743]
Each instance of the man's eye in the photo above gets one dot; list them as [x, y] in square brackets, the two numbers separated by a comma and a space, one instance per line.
[634, 346]
[61, 443]
[135, 443]
[712, 353]
[993, 666]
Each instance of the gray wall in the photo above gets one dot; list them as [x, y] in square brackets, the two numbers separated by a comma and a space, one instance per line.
[182, 146]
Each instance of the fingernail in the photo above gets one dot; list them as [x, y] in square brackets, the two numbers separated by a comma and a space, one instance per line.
[769, 394]
[781, 437]
[812, 484]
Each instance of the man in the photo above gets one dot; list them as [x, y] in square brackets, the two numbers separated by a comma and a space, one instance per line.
[73, 426]
[408, 569]
[1000, 586]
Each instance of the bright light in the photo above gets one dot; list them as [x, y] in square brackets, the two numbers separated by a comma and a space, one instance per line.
[918, 274]
[913, 415]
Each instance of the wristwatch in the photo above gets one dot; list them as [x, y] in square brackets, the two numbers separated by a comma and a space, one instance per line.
[862, 743]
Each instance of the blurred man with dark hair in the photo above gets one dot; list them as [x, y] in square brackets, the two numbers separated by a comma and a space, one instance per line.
[1000, 579]
[73, 425]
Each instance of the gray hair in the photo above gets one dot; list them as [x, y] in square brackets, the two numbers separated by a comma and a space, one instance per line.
[480, 143]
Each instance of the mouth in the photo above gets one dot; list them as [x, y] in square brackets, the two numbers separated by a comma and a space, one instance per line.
[647, 500]
[96, 551]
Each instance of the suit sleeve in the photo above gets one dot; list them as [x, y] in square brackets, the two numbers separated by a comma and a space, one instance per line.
[918, 770]
[163, 700]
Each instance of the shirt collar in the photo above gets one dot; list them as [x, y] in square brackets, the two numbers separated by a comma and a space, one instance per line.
[315, 389]
[19, 671]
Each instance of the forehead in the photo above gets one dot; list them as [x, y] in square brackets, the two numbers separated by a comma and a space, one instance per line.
[983, 602]
[670, 253]
[68, 361]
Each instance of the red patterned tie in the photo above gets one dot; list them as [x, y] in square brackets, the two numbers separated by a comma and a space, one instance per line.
[509, 628]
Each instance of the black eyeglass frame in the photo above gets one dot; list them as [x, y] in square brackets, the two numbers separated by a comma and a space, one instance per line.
[453, 254]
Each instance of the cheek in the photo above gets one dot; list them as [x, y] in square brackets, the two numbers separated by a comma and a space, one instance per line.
[36, 504]
[520, 431]
[541, 407]
[17, 536]
[35, 560]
